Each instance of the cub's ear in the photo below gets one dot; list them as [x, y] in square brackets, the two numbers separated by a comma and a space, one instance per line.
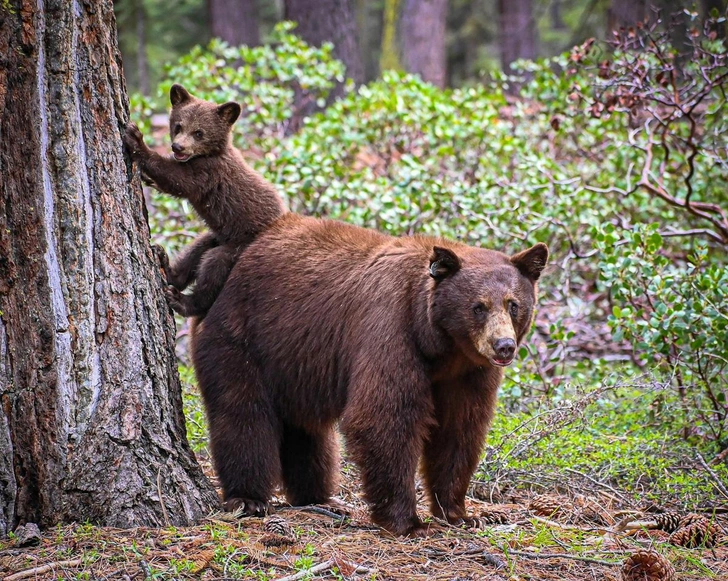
[443, 263]
[229, 112]
[178, 95]
[532, 261]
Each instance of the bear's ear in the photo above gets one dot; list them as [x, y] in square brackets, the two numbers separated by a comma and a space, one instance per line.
[443, 263]
[229, 112]
[178, 95]
[532, 261]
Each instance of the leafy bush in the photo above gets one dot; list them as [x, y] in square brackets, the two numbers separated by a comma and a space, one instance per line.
[674, 316]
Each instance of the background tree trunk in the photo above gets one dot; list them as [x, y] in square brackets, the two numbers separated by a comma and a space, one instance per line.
[329, 20]
[626, 13]
[141, 31]
[389, 57]
[91, 423]
[518, 36]
[234, 21]
[423, 39]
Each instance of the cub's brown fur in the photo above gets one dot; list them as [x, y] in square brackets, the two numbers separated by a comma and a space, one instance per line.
[234, 200]
[401, 340]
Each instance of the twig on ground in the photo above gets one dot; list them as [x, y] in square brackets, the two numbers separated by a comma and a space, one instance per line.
[161, 498]
[307, 572]
[35, 571]
[557, 525]
[716, 480]
[489, 558]
[598, 483]
[558, 556]
[316, 510]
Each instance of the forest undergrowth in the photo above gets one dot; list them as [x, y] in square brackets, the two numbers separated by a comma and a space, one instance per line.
[609, 449]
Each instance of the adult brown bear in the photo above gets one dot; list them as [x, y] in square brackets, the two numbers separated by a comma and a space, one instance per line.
[401, 340]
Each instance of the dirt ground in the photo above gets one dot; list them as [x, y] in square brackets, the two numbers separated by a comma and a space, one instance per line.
[522, 537]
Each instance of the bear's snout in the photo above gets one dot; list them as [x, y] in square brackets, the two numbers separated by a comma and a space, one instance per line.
[504, 350]
[179, 152]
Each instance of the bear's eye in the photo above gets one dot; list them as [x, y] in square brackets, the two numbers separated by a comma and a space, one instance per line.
[513, 309]
[198, 134]
[479, 310]
[177, 128]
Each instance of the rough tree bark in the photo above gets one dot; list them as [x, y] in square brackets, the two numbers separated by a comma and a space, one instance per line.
[518, 36]
[234, 21]
[329, 20]
[91, 423]
[422, 27]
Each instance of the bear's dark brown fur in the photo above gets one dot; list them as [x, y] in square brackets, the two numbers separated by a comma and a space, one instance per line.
[234, 200]
[401, 340]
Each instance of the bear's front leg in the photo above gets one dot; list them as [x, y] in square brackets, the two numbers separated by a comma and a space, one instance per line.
[385, 422]
[463, 409]
[166, 174]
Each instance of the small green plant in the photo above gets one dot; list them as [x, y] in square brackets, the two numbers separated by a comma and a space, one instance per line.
[232, 560]
[305, 558]
[197, 433]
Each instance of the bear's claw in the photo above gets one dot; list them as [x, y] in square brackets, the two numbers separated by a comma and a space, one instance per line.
[133, 139]
[247, 507]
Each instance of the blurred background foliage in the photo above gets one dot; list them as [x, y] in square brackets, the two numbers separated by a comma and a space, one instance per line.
[613, 153]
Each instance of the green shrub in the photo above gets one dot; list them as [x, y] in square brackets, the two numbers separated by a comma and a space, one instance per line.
[675, 315]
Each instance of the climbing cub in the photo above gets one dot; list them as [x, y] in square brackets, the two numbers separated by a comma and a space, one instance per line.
[234, 200]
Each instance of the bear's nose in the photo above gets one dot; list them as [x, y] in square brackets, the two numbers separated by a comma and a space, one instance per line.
[177, 148]
[504, 349]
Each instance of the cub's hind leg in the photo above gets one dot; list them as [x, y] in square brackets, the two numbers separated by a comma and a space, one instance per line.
[185, 267]
[211, 277]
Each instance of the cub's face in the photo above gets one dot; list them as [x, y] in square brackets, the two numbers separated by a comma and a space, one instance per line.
[199, 128]
[484, 300]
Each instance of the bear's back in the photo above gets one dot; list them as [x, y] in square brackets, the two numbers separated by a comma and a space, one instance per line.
[309, 295]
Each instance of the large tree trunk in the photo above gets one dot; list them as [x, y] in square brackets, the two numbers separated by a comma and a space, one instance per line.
[423, 39]
[329, 20]
[518, 36]
[91, 425]
[234, 21]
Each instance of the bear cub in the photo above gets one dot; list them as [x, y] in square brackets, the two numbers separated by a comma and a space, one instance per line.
[235, 201]
[401, 342]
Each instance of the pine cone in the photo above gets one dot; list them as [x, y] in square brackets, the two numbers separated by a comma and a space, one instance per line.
[490, 517]
[546, 505]
[647, 566]
[278, 526]
[668, 521]
[691, 518]
[699, 533]
[276, 540]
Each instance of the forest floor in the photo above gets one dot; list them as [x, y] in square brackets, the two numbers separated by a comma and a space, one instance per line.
[523, 537]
